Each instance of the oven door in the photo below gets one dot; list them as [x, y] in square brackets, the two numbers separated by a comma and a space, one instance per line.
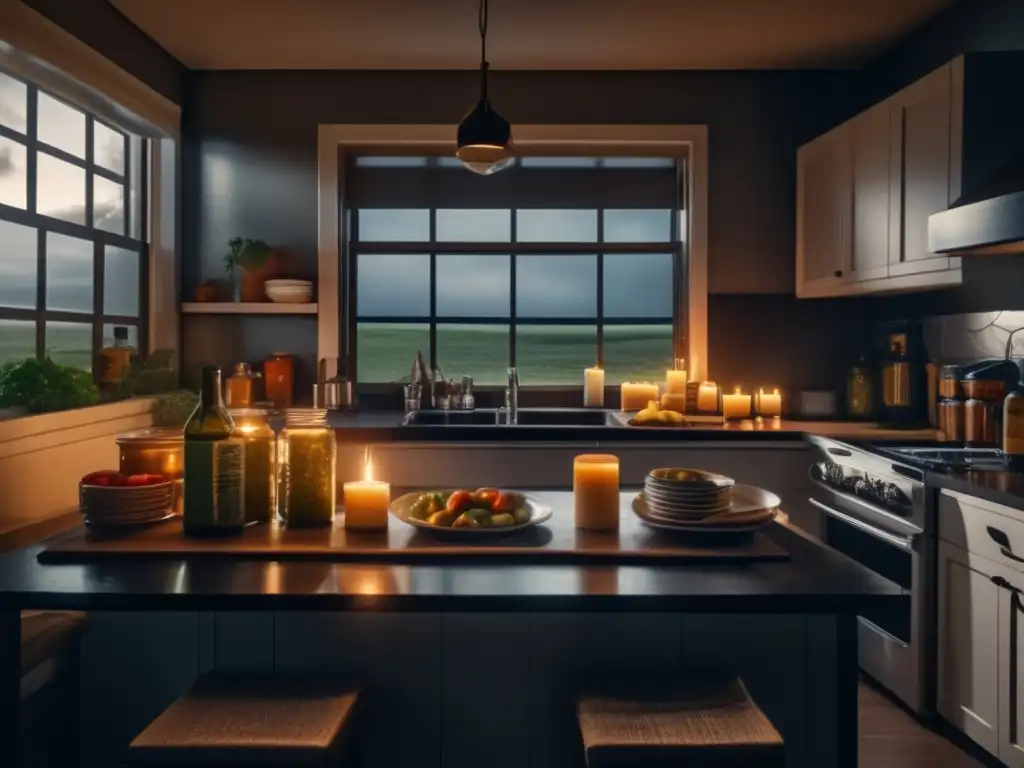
[891, 644]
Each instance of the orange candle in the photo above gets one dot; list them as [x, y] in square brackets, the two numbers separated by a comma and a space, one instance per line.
[736, 405]
[595, 486]
[366, 503]
[768, 403]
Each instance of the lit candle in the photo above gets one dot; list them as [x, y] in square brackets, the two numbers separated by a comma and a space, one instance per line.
[595, 487]
[366, 503]
[768, 403]
[707, 397]
[635, 395]
[593, 387]
[675, 382]
[736, 405]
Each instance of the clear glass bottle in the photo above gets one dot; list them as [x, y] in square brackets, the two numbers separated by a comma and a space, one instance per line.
[214, 495]
[115, 359]
[307, 455]
[253, 426]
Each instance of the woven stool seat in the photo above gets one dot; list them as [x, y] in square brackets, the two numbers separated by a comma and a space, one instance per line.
[707, 726]
[251, 720]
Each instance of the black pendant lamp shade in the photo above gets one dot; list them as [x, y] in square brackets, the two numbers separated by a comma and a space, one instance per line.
[484, 138]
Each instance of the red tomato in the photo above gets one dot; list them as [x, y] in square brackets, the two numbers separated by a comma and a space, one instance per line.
[503, 504]
[458, 500]
[99, 478]
[486, 496]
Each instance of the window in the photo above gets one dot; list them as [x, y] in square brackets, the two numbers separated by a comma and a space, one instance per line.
[551, 266]
[72, 213]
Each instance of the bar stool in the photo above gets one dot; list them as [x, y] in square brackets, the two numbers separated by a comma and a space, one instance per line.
[284, 720]
[50, 685]
[709, 725]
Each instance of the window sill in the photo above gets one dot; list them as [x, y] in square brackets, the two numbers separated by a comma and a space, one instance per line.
[63, 426]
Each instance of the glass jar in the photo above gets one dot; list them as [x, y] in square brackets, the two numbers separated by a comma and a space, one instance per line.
[239, 390]
[278, 378]
[307, 454]
[253, 426]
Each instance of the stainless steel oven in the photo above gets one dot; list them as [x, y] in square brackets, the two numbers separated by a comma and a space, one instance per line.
[877, 512]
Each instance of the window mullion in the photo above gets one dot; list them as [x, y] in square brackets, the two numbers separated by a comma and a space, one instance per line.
[600, 288]
[98, 270]
[433, 292]
[512, 293]
[90, 219]
[31, 173]
[40, 292]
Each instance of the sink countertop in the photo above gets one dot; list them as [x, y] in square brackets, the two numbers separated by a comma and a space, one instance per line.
[386, 426]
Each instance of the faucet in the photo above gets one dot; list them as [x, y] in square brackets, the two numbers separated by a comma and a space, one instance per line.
[512, 397]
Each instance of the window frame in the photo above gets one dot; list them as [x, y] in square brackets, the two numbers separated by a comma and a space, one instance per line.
[99, 238]
[336, 142]
[675, 246]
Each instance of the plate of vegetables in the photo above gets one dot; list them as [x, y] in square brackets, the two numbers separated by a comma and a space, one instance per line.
[480, 511]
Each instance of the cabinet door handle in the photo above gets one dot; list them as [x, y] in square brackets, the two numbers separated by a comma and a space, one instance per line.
[839, 273]
[1000, 538]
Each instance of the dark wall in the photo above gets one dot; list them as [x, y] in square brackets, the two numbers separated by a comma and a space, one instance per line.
[102, 27]
[250, 167]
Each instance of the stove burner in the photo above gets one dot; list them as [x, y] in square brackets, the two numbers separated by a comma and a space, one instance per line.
[952, 458]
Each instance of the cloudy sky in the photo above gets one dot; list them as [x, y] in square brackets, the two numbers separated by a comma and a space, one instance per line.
[547, 286]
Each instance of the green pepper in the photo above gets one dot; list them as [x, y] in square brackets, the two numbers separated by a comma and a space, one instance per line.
[521, 515]
[502, 519]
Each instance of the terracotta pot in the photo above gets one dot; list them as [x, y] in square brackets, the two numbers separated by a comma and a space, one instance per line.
[253, 279]
[206, 293]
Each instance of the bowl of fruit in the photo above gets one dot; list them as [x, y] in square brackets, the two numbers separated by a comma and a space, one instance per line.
[474, 512]
[109, 497]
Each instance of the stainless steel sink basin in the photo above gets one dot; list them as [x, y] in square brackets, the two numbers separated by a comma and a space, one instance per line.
[528, 417]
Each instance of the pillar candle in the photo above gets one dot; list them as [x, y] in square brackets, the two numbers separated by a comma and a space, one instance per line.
[593, 387]
[736, 405]
[707, 397]
[366, 503]
[635, 395]
[768, 403]
[595, 488]
[675, 382]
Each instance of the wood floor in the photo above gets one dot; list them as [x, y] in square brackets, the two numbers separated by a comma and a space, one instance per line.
[891, 738]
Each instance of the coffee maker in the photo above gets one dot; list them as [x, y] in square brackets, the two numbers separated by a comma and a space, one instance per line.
[904, 385]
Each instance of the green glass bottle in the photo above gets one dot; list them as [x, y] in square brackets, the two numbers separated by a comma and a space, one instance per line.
[214, 497]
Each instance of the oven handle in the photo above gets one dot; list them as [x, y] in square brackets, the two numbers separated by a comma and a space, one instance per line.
[906, 543]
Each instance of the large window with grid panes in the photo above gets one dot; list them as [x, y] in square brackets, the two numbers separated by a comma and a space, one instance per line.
[73, 208]
[552, 266]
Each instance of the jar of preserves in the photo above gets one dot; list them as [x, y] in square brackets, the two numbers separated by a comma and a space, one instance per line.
[253, 426]
[307, 454]
[278, 378]
[239, 390]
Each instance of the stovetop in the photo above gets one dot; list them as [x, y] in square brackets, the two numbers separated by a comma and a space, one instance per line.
[940, 458]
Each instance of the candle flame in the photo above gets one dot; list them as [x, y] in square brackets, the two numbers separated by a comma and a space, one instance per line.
[367, 466]
[737, 391]
[775, 391]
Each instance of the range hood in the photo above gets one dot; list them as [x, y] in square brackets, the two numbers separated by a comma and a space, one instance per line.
[989, 219]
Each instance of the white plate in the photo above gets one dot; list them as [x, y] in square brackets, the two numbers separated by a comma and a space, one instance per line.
[539, 512]
[745, 498]
[640, 510]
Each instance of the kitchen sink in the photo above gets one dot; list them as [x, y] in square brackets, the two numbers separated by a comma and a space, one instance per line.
[528, 417]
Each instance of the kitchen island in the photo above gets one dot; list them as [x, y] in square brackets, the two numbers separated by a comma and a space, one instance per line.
[467, 663]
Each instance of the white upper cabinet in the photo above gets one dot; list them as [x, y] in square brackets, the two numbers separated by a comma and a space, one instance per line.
[922, 152]
[894, 165]
[823, 185]
[871, 194]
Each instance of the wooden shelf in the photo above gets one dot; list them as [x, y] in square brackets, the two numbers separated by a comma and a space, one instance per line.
[246, 308]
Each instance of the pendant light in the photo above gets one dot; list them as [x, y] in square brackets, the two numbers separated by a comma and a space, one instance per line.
[484, 141]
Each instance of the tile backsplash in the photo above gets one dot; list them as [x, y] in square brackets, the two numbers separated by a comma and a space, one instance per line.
[973, 335]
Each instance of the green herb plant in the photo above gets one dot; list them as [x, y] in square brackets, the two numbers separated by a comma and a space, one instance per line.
[43, 386]
[245, 253]
[172, 409]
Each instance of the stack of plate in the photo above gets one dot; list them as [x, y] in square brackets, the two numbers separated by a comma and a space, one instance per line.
[687, 494]
[695, 502]
[289, 291]
[126, 505]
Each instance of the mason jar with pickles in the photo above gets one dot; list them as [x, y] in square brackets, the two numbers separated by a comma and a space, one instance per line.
[307, 453]
[253, 426]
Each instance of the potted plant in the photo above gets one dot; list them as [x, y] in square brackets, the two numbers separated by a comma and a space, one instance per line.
[257, 261]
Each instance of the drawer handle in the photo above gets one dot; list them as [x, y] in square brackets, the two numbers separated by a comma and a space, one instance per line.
[1000, 538]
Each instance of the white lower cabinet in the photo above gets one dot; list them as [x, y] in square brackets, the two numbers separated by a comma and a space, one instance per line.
[1011, 671]
[969, 635]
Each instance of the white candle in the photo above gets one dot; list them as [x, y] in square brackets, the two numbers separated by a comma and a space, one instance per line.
[707, 397]
[636, 395]
[675, 382]
[736, 405]
[595, 488]
[593, 387]
[769, 403]
[366, 503]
